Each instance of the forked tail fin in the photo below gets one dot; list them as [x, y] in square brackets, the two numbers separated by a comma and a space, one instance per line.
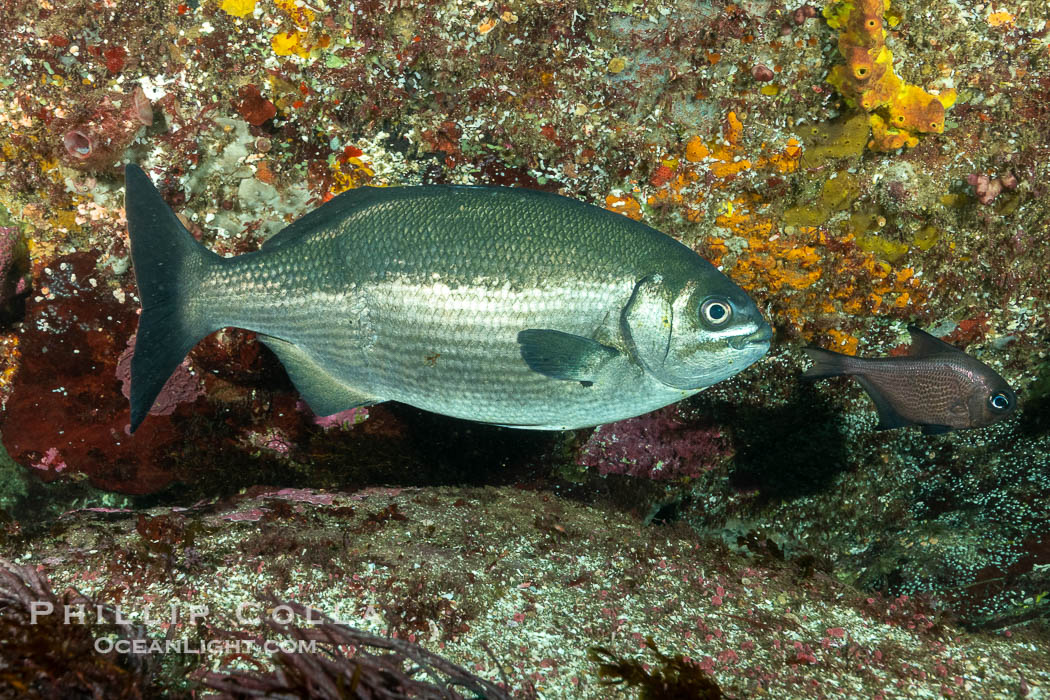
[169, 266]
[827, 363]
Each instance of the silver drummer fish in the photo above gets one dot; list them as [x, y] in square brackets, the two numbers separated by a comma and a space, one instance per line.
[499, 305]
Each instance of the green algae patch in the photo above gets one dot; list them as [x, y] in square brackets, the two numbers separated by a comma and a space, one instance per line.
[836, 194]
[13, 485]
[829, 141]
[927, 237]
[839, 192]
[867, 228]
[1039, 389]
[882, 247]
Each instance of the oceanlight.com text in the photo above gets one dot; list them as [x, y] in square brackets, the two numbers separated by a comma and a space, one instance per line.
[105, 645]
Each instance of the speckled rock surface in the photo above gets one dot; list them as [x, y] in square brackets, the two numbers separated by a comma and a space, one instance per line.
[538, 580]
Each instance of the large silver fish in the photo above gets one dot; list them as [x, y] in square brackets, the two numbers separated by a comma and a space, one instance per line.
[499, 305]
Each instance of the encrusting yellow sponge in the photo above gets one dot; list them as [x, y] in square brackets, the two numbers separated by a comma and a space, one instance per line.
[898, 111]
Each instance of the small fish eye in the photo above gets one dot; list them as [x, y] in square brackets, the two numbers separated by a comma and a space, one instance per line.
[716, 312]
[1000, 402]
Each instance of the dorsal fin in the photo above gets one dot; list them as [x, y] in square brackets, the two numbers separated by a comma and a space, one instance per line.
[924, 344]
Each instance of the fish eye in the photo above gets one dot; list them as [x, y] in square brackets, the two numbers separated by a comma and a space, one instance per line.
[716, 312]
[1000, 401]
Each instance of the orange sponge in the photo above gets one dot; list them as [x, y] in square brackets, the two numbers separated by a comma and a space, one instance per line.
[867, 80]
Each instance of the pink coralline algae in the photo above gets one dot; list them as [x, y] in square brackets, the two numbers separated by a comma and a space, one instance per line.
[182, 386]
[96, 138]
[305, 496]
[251, 516]
[660, 445]
[988, 188]
[52, 460]
[272, 440]
[343, 419]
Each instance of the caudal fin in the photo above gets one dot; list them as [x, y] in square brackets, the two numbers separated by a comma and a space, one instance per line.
[826, 363]
[169, 265]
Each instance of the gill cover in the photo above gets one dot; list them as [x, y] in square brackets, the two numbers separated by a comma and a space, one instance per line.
[647, 324]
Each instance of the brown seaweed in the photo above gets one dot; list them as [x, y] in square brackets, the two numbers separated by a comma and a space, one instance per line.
[675, 678]
[374, 668]
[47, 658]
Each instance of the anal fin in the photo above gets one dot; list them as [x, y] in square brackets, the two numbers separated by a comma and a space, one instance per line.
[323, 393]
[888, 416]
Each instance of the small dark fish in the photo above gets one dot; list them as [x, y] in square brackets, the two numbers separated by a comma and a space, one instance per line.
[937, 385]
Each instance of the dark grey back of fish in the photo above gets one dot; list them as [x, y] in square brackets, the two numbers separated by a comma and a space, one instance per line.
[476, 235]
[421, 294]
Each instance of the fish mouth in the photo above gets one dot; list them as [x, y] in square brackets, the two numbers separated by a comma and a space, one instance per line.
[760, 337]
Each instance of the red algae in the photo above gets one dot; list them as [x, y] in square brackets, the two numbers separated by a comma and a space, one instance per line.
[256, 109]
[182, 386]
[659, 445]
[115, 57]
[65, 397]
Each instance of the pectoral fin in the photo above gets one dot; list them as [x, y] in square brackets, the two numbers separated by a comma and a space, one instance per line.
[561, 355]
[323, 393]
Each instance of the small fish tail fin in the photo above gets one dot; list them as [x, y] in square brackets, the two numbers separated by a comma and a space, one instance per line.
[827, 363]
[169, 265]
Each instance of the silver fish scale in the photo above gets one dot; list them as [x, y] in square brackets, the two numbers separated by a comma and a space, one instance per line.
[420, 299]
